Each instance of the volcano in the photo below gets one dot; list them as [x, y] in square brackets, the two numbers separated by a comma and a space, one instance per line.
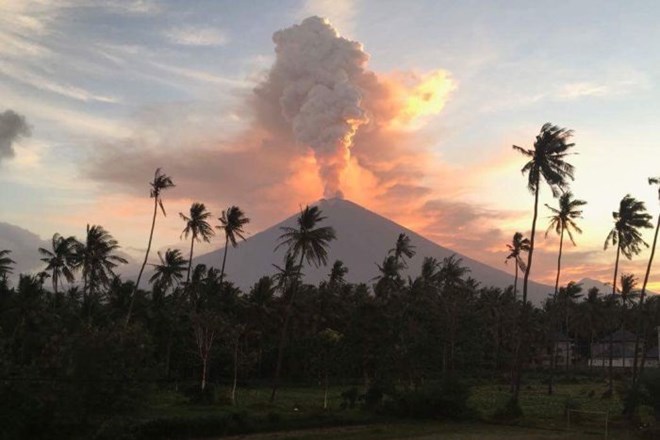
[363, 239]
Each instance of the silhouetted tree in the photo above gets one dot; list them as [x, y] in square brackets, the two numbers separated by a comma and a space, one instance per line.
[309, 242]
[402, 248]
[197, 227]
[61, 259]
[516, 248]
[6, 264]
[160, 183]
[170, 270]
[232, 222]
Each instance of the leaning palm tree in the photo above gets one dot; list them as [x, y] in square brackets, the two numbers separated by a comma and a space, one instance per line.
[308, 242]
[562, 221]
[402, 248]
[160, 183]
[516, 248]
[96, 258]
[170, 270]
[642, 295]
[546, 162]
[6, 264]
[626, 236]
[231, 223]
[61, 259]
[198, 227]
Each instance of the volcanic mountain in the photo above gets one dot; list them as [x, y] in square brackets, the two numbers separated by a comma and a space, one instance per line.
[363, 239]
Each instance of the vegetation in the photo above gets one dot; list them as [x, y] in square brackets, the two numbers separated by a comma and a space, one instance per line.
[89, 355]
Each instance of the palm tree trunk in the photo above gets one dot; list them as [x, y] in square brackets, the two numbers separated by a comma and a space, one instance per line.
[515, 283]
[554, 343]
[204, 362]
[641, 327]
[523, 317]
[610, 372]
[192, 245]
[285, 326]
[144, 263]
[325, 389]
[224, 260]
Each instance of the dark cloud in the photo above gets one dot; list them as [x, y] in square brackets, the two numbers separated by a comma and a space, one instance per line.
[12, 127]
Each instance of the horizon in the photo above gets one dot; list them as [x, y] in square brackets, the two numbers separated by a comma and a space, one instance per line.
[173, 86]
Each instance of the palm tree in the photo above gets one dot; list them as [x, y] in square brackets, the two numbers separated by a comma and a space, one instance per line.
[625, 234]
[516, 248]
[338, 273]
[170, 270]
[563, 221]
[568, 295]
[232, 222]
[628, 294]
[97, 259]
[6, 264]
[402, 248]
[160, 183]
[642, 295]
[198, 227]
[627, 238]
[308, 242]
[546, 162]
[61, 260]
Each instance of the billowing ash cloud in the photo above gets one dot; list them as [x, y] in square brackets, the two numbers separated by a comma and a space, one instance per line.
[315, 81]
[12, 127]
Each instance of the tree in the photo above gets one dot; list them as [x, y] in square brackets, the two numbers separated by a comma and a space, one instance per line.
[61, 260]
[402, 248]
[567, 297]
[516, 248]
[308, 242]
[338, 273]
[170, 270]
[160, 183]
[97, 260]
[642, 295]
[198, 227]
[546, 162]
[626, 236]
[231, 223]
[6, 264]
[563, 221]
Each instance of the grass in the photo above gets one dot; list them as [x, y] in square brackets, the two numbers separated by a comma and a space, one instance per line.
[300, 408]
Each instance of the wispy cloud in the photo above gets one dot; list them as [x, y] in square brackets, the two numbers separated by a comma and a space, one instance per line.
[197, 36]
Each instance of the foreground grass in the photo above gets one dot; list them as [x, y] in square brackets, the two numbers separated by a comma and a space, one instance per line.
[298, 414]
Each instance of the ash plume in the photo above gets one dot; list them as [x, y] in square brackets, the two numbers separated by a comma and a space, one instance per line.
[315, 81]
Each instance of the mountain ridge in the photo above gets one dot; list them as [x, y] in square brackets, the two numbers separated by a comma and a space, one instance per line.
[363, 240]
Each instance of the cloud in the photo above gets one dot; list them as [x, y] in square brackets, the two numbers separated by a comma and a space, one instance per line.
[12, 128]
[197, 36]
[341, 13]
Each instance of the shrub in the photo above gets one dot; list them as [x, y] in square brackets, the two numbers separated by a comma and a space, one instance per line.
[447, 401]
[349, 397]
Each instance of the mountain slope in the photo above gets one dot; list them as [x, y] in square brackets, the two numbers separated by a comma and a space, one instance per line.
[363, 239]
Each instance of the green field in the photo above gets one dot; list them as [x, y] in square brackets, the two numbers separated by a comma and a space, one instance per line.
[298, 414]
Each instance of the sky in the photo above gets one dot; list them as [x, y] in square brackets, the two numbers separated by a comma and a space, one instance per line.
[94, 95]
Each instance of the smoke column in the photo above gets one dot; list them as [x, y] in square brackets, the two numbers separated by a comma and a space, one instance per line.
[315, 79]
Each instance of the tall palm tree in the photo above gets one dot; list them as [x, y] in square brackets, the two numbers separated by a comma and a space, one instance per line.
[516, 248]
[626, 236]
[402, 248]
[562, 221]
[308, 242]
[567, 296]
[61, 259]
[232, 222]
[96, 258]
[642, 295]
[546, 162]
[160, 183]
[198, 227]
[628, 294]
[337, 276]
[170, 270]
[6, 264]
